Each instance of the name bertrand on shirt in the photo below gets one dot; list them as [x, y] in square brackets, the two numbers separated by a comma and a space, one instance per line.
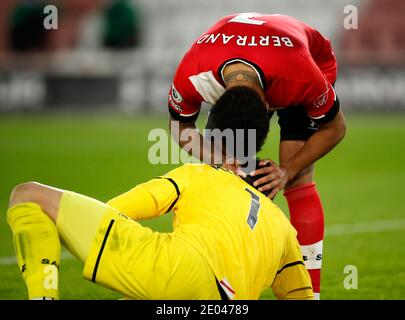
[243, 40]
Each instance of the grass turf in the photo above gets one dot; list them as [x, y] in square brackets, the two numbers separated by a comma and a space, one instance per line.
[105, 155]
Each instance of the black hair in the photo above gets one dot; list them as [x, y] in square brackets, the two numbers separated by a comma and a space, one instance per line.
[241, 108]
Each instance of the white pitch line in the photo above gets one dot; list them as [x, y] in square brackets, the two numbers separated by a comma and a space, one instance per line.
[333, 230]
[368, 227]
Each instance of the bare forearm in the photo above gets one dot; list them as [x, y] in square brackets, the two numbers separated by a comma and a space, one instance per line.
[318, 145]
[188, 137]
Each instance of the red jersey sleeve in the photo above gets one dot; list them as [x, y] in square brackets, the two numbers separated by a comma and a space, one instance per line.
[320, 100]
[321, 51]
[183, 99]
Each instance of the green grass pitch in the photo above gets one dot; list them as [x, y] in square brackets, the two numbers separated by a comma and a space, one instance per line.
[361, 185]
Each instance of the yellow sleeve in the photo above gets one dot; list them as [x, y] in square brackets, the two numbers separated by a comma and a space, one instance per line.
[153, 198]
[292, 280]
[293, 283]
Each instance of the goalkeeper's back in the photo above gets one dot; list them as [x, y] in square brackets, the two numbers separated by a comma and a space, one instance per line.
[246, 239]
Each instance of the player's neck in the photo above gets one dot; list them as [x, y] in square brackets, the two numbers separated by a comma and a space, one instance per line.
[240, 74]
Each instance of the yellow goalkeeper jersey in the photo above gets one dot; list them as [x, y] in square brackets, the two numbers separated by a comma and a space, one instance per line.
[244, 236]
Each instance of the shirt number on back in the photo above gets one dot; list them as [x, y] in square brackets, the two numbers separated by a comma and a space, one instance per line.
[254, 209]
[245, 18]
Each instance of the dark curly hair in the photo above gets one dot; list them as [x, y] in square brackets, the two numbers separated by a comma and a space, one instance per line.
[241, 108]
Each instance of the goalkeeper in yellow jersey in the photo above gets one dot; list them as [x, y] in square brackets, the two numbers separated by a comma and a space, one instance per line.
[229, 240]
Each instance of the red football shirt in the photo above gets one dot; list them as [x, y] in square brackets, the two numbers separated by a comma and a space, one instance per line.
[295, 63]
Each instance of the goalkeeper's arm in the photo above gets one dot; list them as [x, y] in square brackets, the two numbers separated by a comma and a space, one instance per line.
[148, 200]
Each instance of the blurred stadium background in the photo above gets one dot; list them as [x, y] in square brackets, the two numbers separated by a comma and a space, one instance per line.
[77, 104]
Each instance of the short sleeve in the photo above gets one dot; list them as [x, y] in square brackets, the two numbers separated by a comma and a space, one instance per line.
[147, 200]
[320, 100]
[183, 99]
[180, 176]
[321, 51]
[155, 197]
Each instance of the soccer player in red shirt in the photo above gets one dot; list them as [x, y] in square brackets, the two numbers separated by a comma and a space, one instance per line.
[287, 67]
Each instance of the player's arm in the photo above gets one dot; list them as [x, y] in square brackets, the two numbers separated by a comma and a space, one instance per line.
[319, 144]
[183, 131]
[184, 103]
[184, 106]
[299, 294]
[153, 198]
[189, 138]
[322, 106]
[292, 282]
